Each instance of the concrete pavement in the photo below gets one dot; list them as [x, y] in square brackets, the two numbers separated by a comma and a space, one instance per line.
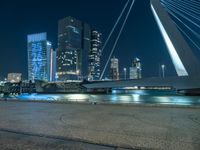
[34, 125]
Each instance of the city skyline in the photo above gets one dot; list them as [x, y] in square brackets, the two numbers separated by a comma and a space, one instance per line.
[153, 53]
[100, 74]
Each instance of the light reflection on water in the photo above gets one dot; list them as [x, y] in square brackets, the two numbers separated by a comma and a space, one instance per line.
[136, 96]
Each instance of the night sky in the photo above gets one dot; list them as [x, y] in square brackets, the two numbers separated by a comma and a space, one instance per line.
[141, 37]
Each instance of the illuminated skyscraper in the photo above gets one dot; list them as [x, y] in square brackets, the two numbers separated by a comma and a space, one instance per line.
[114, 69]
[39, 57]
[73, 48]
[79, 50]
[94, 55]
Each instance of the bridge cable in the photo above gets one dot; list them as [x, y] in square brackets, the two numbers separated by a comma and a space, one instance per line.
[181, 10]
[177, 18]
[194, 43]
[114, 27]
[186, 5]
[188, 36]
[189, 7]
[184, 11]
[195, 33]
[178, 12]
[194, 3]
[114, 46]
[183, 7]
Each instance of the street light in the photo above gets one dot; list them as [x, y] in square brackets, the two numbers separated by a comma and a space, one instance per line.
[163, 70]
[125, 73]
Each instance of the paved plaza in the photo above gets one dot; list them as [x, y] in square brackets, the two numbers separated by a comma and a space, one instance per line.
[36, 125]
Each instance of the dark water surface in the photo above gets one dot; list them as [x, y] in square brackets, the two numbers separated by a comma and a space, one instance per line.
[117, 96]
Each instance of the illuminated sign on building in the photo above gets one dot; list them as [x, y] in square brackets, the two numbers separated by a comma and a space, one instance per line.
[39, 51]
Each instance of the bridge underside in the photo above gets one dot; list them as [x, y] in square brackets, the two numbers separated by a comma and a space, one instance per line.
[179, 83]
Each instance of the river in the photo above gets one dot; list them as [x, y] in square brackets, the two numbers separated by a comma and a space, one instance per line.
[163, 97]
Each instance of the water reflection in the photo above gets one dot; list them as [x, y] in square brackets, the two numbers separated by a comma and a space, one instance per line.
[134, 96]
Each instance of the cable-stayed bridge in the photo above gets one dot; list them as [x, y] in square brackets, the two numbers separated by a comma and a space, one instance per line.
[179, 25]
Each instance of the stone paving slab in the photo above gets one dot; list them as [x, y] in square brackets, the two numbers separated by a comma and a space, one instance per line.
[119, 126]
[11, 139]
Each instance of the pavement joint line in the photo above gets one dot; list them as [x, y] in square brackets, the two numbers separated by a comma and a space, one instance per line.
[67, 139]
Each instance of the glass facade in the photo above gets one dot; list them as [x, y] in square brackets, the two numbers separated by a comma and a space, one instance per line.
[79, 50]
[69, 49]
[38, 57]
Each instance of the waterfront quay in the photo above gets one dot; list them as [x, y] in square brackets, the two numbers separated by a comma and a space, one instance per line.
[43, 125]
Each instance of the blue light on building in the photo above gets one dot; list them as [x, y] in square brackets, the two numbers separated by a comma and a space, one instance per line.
[39, 57]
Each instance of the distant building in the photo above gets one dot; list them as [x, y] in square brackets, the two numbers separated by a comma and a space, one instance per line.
[135, 70]
[14, 77]
[133, 73]
[114, 69]
[53, 65]
[94, 55]
[79, 48]
[39, 57]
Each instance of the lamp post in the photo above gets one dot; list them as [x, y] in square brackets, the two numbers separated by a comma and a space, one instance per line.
[163, 70]
[125, 73]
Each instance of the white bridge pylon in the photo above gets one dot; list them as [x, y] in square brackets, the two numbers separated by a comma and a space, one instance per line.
[184, 60]
[182, 56]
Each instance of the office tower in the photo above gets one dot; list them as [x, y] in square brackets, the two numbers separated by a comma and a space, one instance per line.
[135, 70]
[114, 69]
[86, 42]
[14, 77]
[39, 51]
[73, 47]
[79, 50]
[94, 55]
